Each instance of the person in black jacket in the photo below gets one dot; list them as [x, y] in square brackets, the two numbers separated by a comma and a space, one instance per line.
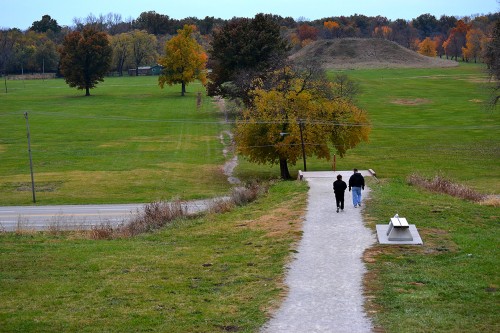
[339, 187]
[357, 183]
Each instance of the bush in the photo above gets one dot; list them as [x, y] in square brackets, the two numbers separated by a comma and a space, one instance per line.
[154, 216]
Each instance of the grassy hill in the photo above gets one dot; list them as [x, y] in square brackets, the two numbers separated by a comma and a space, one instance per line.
[356, 53]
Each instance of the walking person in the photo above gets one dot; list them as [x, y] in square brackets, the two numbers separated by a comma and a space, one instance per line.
[357, 183]
[339, 187]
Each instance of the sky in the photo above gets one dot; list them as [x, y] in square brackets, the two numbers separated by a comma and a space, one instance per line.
[21, 14]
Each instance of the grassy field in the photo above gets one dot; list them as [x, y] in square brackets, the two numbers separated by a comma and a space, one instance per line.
[222, 273]
[213, 274]
[128, 142]
[429, 121]
[450, 284]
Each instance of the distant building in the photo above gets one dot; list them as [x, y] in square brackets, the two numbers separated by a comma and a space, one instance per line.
[146, 70]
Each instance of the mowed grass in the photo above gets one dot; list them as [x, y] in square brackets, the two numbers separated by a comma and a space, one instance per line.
[218, 273]
[423, 120]
[128, 142]
[449, 284]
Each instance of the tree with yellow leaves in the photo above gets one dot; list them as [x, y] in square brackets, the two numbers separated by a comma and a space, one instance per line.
[427, 47]
[184, 60]
[297, 117]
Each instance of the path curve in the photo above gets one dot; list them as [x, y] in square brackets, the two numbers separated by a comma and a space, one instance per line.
[325, 277]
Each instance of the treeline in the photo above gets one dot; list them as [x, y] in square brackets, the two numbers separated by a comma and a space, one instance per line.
[140, 42]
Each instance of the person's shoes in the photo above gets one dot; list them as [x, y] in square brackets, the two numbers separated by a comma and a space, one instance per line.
[337, 209]
[359, 205]
[342, 210]
[355, 206]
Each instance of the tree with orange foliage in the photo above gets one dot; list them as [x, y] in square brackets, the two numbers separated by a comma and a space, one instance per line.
[308, 32]
[472, 47]
[184, 60]
[427, 47]
[456, 40]
[332, 29]
[382, 32]
[438, 41]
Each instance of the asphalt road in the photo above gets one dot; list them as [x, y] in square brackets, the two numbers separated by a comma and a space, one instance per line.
[71, 217]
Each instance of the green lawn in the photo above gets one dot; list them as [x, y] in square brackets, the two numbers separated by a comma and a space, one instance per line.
[429, 121]
[128, 142]
[211, 274]
[450, 284]
[222, 273]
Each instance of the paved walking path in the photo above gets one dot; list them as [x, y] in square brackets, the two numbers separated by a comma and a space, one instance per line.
[325, 278]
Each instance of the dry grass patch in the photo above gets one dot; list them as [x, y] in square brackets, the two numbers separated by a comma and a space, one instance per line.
[439, 184]
[491, 200]
[281, 220]
[411, 102]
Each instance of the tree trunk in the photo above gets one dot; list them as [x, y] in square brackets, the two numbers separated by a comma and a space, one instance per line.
[285, 174]
[183, 92]
[87, 91]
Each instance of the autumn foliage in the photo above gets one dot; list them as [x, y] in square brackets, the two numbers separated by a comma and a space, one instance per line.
[184, 60]
[85, 58]
[269, 132]
[427, 47]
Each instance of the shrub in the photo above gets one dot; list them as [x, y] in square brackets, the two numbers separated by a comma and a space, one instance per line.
[154, 216]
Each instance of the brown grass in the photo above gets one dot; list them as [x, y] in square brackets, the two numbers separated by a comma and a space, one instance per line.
[439, 184]
[161, 213]
[415, 101]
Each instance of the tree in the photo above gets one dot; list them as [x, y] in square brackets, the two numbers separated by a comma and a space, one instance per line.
[456, 40]
[184, 60]
[7, 42]
[153, 22]
[45, 24]
[332, 29]
[243, 51]
[85, 58]
[427, 47]
[121, 50]
[142, 48]
[307, 32]
[298, 116]
[24, 49]
[472, 48]
[46, 57]
[403, 33]
[344, 87]
[384, 32]
[491, 57]
[426, 24]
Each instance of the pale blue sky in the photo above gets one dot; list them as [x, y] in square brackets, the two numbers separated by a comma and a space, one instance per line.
[21, 14]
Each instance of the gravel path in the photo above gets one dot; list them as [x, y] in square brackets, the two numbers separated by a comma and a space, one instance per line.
[325, 278]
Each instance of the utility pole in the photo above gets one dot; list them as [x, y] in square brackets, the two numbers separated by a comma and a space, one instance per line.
[301, 125]
[31, 160]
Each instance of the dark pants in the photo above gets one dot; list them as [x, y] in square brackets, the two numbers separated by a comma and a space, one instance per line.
[339, 197]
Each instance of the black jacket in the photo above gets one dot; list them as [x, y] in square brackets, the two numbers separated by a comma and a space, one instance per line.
[357, 180]
[339, 186]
